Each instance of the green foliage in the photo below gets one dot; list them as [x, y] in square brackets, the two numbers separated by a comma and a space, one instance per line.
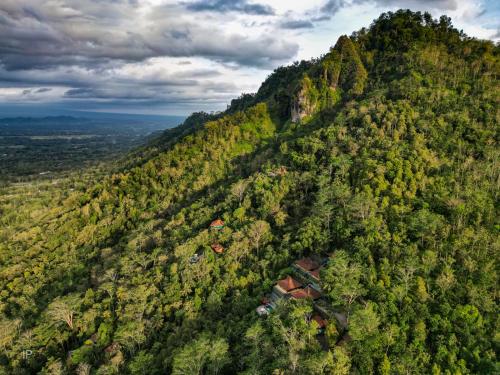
[353, 74]
[393, 176]
[364, 323]
[341, 361]
[203, 353]
[141, 363]
[341, 279]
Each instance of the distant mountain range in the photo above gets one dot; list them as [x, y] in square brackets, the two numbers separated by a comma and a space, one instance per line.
[92, 116]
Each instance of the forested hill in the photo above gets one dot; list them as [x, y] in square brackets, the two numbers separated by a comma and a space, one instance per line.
[380, 158]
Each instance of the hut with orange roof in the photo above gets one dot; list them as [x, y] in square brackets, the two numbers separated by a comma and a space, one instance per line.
[217, 224]
[216, 247]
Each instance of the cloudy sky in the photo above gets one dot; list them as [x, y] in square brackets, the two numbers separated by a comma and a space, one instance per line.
[175, 57]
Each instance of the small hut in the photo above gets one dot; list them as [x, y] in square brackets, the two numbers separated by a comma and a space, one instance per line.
[217, 224]
[217, 248]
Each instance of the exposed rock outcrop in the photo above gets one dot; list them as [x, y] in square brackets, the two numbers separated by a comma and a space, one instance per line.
[304, 102]
[341, 73]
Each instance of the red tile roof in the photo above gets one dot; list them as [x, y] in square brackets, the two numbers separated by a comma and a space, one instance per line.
[307, 264]
[318, 319]
[217, 248]
[217, 223]
[289, 283]
[315, 274]
[307, 292]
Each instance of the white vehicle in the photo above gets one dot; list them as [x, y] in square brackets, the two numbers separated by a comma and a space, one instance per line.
[264, 309]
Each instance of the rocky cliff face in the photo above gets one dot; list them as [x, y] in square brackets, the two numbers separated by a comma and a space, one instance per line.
[340, 73]
[301, 107]
[305, 100]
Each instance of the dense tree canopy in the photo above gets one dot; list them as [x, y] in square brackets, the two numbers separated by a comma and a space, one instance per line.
[391, 173]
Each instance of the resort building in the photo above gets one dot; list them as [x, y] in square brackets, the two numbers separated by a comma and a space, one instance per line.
[285, 286]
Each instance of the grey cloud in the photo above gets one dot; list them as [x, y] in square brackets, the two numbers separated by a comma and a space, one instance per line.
[333, 6]
[314, 15]
[199, 73]
[192, 85]
[297, 24]
[321, 18]
[80, 92]
[85, 51]
[224, 6]
[220, 87]
[67, 32]
[152, 93]
[93, 93]
[153, 81]
[46, 77]
[176, 34]
[91, 78]
[436, 4]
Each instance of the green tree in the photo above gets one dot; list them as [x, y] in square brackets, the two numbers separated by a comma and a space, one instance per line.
[341, 279]
[341, 361]
[364, 323]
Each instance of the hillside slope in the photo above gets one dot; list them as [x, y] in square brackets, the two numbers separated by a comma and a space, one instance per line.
[380, 156]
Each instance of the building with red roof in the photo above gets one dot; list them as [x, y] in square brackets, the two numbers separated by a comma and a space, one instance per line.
[307, 292]
[288, 284]
[306, 265]
[285, 286]
[315, 274]
[217, 224]
[217, 248]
